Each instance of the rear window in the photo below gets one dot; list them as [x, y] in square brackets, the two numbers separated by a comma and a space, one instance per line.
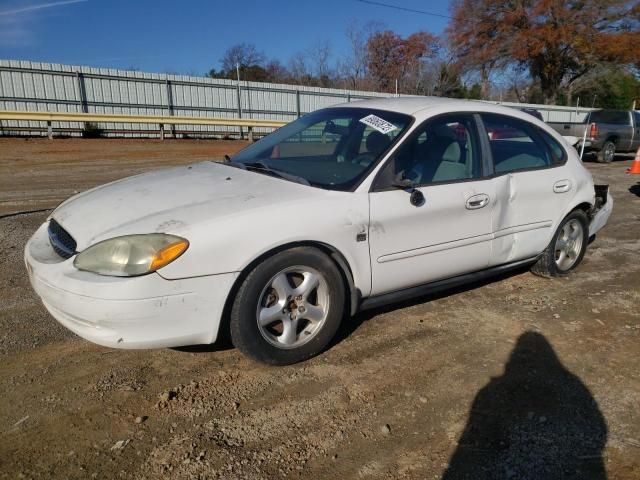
[613, 117]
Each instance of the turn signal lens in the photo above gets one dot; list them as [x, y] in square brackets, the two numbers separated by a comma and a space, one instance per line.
[168, 254]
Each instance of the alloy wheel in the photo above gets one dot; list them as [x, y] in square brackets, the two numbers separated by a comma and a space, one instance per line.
[569, 244]
[293, 307]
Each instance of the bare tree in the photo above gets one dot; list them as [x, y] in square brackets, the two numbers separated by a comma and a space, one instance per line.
[299, 68]
[353, 66]
[319, 57]
[441, 75]
[243, 54]
[276, 72]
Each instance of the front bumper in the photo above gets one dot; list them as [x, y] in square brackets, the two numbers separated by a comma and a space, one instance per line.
[126, 312]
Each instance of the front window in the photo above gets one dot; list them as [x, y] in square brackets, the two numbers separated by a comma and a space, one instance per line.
[332, 148]
[444, 149]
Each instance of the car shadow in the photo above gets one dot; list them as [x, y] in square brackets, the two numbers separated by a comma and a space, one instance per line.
[635, 189]
[349, 326]
[218, 346]
[592, 157]
[535, 421]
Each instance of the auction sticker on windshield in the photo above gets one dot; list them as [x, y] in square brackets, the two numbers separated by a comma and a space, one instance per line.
[378, 123]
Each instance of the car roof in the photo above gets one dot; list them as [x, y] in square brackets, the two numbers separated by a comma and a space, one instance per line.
[413, 105]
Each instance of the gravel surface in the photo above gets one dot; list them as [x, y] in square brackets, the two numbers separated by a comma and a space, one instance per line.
[519, 377]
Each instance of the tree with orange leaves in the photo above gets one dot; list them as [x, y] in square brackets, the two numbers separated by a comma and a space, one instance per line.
[558, 41]
[391, 57]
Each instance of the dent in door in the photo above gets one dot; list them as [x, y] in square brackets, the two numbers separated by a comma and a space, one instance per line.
[504, 218]
[523, 214]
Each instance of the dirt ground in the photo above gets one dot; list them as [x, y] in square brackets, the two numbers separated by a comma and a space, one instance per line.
[67, 166]
[519, 377]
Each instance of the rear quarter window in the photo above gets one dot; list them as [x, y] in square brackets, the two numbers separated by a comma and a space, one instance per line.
[558, 153]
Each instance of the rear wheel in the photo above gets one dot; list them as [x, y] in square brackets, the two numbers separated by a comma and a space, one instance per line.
[607, 153]
[289, 307]
[567, 248]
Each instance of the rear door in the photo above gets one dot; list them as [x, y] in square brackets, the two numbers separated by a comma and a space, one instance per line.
[449, 232]
[532, 187]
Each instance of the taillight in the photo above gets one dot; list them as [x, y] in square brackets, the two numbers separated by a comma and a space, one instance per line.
[593, 131]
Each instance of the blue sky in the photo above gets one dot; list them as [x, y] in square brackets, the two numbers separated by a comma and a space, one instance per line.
[189, 36]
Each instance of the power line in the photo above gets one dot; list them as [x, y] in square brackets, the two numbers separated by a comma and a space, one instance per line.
[404, 9]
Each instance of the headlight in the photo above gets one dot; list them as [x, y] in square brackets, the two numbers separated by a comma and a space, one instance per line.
[131, 255]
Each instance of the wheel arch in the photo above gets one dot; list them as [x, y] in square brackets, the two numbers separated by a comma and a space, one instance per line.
[586, 207]
[353, 293]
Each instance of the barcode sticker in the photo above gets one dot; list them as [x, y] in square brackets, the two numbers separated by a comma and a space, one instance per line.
[378, 123]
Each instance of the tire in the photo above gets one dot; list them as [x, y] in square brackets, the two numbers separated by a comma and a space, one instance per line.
[572, 236]
[607, 153]
[289, 307]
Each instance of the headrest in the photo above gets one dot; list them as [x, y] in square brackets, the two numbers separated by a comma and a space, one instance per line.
[376, 142]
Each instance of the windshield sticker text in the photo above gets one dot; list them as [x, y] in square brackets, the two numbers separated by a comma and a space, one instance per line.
[379, 124]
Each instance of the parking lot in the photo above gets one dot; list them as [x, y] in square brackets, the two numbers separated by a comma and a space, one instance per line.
[495, 380]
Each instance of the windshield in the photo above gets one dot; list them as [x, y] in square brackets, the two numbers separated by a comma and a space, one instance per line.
[332, 148]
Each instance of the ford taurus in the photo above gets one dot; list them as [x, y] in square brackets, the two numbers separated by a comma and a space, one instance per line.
[344, 209]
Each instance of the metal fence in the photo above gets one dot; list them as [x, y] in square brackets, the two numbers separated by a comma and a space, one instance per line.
[46, 87]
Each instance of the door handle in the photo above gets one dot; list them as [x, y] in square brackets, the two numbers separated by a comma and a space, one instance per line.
[477, 201]
[562, 186]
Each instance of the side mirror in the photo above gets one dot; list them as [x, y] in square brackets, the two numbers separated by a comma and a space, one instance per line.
[416, 198]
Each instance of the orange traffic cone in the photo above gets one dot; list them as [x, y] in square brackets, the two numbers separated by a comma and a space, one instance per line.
[635, 165]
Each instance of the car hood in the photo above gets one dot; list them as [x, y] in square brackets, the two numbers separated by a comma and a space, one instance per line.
[172, 200]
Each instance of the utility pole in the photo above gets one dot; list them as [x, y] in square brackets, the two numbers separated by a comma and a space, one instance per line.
[239, 97]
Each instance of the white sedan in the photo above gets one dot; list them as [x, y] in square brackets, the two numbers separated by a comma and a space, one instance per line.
[344, 209]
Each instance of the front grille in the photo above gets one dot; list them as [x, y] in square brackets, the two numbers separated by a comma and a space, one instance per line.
[63, 243]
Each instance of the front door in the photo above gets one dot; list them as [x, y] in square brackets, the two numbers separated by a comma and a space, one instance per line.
[446, 234]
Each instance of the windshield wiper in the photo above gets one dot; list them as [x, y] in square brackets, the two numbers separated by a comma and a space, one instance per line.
[260, 166]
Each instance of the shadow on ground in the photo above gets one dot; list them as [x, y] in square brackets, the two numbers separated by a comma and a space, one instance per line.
[536, 421]
[350, 325]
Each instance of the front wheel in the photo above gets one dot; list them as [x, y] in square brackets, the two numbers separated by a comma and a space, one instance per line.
[567, 248]
[289, 307]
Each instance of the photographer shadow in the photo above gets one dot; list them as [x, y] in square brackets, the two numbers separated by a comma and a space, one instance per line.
[536, 421]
